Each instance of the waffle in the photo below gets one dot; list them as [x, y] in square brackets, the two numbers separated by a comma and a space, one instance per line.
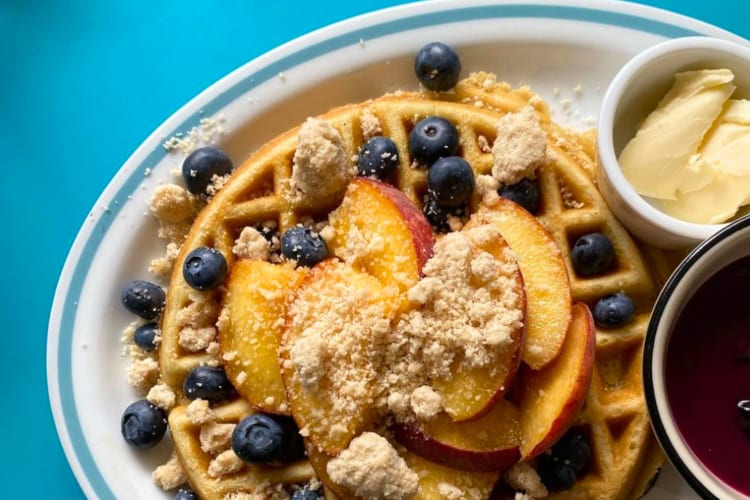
[614, 417]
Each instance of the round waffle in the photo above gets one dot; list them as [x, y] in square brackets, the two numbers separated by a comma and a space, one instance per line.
[614, 417]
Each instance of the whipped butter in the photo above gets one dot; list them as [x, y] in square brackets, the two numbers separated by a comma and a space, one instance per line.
[690, 154]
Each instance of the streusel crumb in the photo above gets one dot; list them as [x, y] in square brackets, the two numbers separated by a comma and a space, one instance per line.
[520, 146]
[373, 469]
[251, 245]
[224, 464]
[170, 475]
[215, 437]
[321, 167]
[162, 396]
[522, 476]
[143, 374]
[199, 412]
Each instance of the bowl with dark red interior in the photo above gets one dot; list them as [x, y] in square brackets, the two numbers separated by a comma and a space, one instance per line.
[696, 365]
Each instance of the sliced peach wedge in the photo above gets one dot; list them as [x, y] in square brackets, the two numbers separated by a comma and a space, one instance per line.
[435, 480]
[471, 391]
[330, 352]
[250, 334]
[548, 296]
[490, 443]
[552, 397]
[379, 230]
[438, 481]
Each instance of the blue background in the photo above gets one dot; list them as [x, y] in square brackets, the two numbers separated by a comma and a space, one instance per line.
[82, 84]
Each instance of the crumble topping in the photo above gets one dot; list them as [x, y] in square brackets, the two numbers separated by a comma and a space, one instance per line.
[209, 131]
[224, 464]
[308, 355]
[199, 412]
[340, 329]
[215, 437]
[569, 198]
[486, 188]
[484, 144]
[162, 266]
[522, 476]
[321, 168]
[465, 307]
[170, 475]
[175, 208]
[450, 492]
[520, 146]
[426, 403]
[370, 125]
[162, 396]
[171, 204]
[196, 339]
[251, 245]
[216, 183]
[197, 322]
[373, 469]
[143, 374]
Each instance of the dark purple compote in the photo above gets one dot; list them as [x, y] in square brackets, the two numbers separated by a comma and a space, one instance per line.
[707, 373]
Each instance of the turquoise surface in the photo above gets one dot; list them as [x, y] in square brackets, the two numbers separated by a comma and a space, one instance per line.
[83, 83]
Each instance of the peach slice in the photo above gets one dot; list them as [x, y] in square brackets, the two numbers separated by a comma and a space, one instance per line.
[377, 229]
[491, 443]
[257, 295]
[545, 275]
[435, 480]
[330, 352]
[438, 481]
[472, 391]
[552, 397]
[319, 460]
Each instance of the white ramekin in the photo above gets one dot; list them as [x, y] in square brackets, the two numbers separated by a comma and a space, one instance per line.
[633, 93]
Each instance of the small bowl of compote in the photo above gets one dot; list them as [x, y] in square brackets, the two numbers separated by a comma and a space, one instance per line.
[696, 365]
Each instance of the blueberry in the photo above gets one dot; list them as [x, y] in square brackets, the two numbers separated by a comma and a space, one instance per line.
[201, 165]
[144, 336]
[437, 215]
[257, 439]
[143, 298]
[204, 268]
[143, 425]
[437, 66]
[592, 254]
[524, 192]
[186, 494]
[378, 157]
[292, 446]
[743, 410]
[209, 383]
[556, 473]
[450, 181]
[573, 450]
[432, 138]
[301, 244]
[306, 494]
[614, 310]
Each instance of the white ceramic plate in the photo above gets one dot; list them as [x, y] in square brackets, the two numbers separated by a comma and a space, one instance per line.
[567, 50]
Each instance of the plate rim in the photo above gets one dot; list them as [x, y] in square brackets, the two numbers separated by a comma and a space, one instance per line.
[379, 23]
